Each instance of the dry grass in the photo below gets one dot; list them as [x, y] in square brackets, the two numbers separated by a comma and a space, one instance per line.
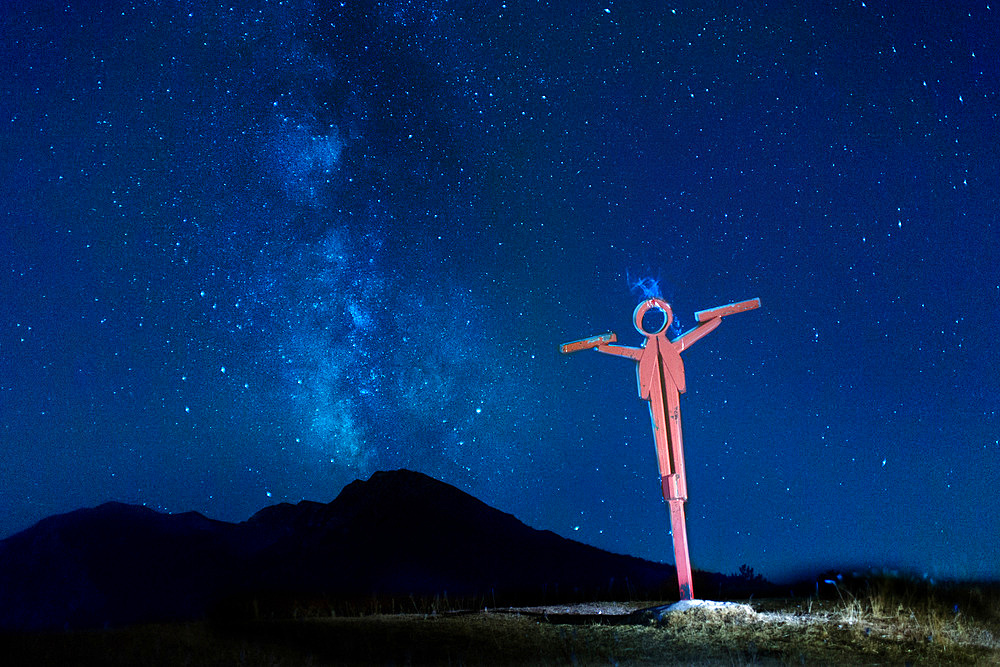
[880, 621]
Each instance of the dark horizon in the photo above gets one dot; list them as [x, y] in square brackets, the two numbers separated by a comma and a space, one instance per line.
[398, 536]
[828, 575]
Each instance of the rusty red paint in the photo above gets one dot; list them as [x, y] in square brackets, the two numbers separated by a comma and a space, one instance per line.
[587, 343]
[660, 377]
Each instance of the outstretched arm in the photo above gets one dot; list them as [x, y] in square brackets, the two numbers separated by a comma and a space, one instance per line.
[633, 353]
[587, 343]
[689, 338]
[709, 319]
[602, 343]
[728, 309]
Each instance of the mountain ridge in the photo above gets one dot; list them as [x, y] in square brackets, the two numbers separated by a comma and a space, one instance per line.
[399, 533]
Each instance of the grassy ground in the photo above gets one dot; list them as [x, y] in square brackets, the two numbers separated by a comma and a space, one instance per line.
[883, 623]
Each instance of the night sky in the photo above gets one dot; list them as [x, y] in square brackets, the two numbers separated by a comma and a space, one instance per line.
[252, 252]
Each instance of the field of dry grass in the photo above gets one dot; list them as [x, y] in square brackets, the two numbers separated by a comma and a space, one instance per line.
[887, 621]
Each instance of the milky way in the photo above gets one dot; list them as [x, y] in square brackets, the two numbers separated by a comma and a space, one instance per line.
[255, 252]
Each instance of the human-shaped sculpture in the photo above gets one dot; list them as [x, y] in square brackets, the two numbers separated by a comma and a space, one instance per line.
[660, 376]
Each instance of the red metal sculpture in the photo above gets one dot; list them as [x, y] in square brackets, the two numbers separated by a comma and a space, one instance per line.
[660, 375]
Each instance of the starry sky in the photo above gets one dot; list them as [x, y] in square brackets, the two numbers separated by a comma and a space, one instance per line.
[251, 252]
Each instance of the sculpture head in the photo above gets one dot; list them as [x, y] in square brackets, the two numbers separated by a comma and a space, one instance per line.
[645, 307]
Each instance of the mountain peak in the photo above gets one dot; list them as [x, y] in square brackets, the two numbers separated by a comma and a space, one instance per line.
[397, 534]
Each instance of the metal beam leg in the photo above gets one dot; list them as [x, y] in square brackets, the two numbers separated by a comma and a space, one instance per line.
[678, 528]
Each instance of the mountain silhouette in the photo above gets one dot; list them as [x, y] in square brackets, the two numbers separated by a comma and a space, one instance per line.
[399, 534]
